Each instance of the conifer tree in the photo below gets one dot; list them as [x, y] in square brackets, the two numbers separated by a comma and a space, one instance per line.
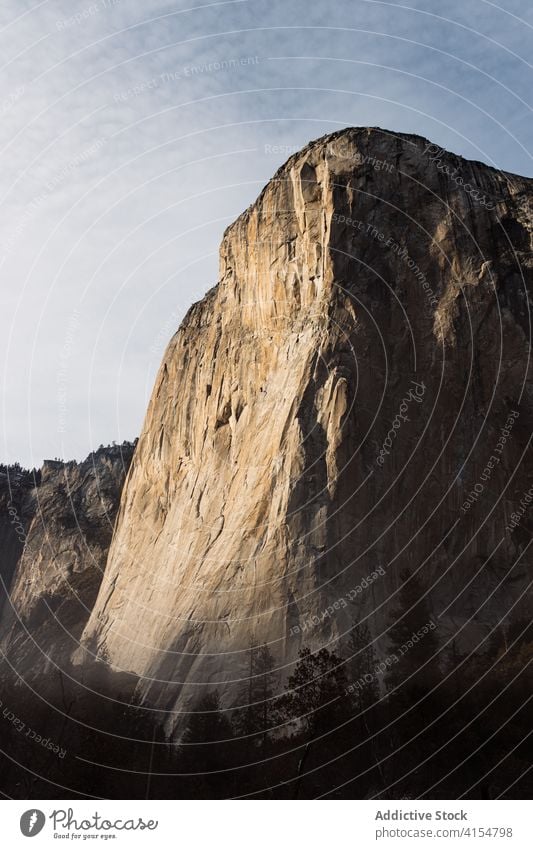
[316, 698]
[413, 640]
[260, 711]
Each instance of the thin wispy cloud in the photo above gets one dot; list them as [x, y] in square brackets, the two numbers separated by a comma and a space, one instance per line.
[132, 133]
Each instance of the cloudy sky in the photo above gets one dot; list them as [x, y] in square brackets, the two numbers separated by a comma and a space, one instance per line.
[130, 138]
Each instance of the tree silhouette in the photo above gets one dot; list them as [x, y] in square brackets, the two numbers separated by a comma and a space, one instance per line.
[413, 704]
[317, 692]
[361, 667]
[414, 645]
[208, 724]
[260, 711]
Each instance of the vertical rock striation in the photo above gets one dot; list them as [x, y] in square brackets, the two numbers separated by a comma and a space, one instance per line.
[16, 484]
[327, 409]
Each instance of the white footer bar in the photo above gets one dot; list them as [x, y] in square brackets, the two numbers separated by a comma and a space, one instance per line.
[267, 824]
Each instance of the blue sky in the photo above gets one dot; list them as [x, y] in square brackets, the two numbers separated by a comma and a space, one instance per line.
[132, 133]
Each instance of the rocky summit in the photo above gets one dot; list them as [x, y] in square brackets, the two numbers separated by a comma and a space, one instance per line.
[350, 404]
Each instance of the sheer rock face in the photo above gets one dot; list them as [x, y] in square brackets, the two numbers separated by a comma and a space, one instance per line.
[15, 516]
[69, 517]
[326, 409]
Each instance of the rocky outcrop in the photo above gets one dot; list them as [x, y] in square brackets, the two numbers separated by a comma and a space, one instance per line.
[63, 527]
[354, 395]
[16, 484]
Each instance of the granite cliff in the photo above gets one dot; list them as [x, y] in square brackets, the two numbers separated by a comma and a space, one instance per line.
[352, 399]
[15, 517]
[56, 529]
